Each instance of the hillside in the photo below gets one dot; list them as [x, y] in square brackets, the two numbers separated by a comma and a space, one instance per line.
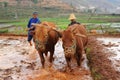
[104, 6]
[39, 3]
[112, 6]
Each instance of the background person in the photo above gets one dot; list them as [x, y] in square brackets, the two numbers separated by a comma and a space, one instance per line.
[30, 28]
[72, 18]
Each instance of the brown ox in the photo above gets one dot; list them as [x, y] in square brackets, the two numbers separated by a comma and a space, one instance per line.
[74, 40]
[45, 39]
[49, 24]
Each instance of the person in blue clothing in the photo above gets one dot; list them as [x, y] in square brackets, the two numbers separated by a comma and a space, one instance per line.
[30, 28]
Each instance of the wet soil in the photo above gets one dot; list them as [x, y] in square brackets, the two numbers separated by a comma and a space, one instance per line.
[19, 61]
[99, 60]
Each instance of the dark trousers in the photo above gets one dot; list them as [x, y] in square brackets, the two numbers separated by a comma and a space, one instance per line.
[30, 36]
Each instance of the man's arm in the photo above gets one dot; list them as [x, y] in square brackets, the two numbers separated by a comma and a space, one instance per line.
[37, 22]
[29, 24]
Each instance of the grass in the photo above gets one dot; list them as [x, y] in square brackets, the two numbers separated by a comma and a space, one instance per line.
[4, 31]
[96, 75]
[61, 22]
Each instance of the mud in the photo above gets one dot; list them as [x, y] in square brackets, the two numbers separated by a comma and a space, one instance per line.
[113, 46]
[102, 56]
[19, 61]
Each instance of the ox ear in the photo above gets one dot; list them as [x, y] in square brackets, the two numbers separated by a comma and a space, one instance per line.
[80, 35]
[45, 23]
[47, 27]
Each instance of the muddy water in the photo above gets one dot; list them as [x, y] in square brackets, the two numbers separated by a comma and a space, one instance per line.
[19, 61]
[112, 45]
[4, 25]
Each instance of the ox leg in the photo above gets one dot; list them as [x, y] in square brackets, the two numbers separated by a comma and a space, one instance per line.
[42, 59]
[85, 50]
[46, 53]
[51, 56]
[78, 61]
[81, 57]
[68, 62]
[78, 57]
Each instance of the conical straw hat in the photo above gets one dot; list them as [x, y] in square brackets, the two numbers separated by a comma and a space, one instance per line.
[72, 16]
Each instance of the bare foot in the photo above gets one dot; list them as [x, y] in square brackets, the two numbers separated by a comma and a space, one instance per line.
[30, 43]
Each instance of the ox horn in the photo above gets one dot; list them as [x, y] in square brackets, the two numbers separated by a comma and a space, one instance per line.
[80, 35]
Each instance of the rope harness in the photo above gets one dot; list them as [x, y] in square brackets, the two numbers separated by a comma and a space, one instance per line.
[71, 49]
[39, 44]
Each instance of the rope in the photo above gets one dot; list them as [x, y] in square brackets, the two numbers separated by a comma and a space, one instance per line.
[71, 49]
[39, 44]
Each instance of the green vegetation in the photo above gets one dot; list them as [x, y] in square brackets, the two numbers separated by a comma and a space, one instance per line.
[4, 31]
[35, 1]
[61, 21]
[95, 74]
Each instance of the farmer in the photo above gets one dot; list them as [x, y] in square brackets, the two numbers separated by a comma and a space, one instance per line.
[30, 28]
[72, 18]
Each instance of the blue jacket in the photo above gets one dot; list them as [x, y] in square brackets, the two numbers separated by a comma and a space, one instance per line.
[33, 20]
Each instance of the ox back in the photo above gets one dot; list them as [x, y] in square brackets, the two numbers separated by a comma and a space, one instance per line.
[80, 29]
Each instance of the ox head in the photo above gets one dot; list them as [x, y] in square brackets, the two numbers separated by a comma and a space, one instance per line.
[40, 36]
[69, 42]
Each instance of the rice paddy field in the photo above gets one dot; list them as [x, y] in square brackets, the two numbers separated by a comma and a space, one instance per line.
[19, 61]
[61, 22]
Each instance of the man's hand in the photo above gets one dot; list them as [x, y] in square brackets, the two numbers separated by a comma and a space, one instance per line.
[27, 29]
